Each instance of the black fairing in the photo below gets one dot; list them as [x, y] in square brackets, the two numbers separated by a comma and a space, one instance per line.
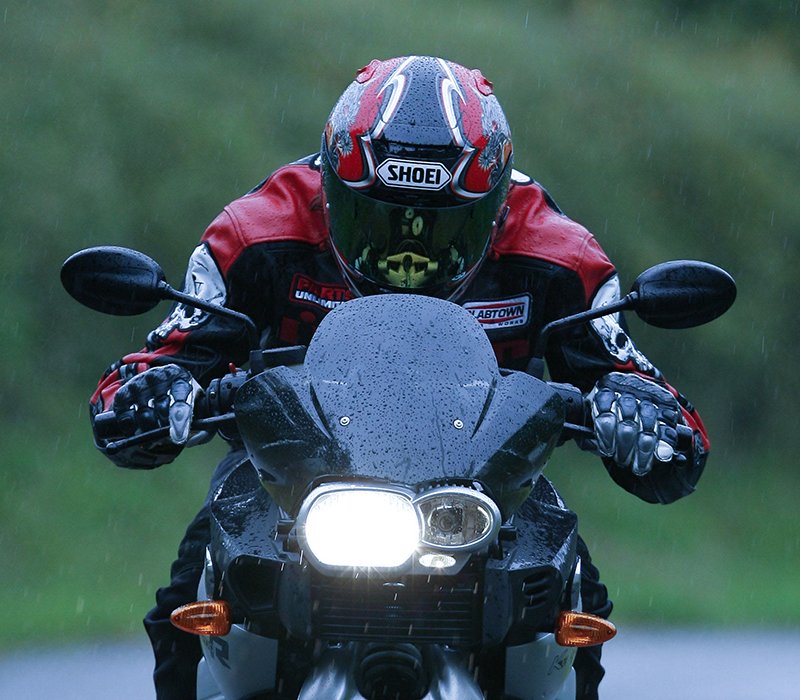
[247, 549]
[533, 570]
[504, 598]
[404, 389]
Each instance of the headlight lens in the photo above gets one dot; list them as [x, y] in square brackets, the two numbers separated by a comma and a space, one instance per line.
[362, 528]
[457, 518]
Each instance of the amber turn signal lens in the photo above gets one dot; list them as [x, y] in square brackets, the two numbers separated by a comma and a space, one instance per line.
[577, 629]
[205, 617]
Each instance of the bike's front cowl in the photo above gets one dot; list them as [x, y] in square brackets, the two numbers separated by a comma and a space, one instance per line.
[391, 530]
[301, 616]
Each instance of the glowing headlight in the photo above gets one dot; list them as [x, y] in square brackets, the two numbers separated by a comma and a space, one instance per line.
[366, 526]
[457, 518]
[360, 527]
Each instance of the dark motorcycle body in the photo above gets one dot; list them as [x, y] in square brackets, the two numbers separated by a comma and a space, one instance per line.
[400, 391]
[390, 534]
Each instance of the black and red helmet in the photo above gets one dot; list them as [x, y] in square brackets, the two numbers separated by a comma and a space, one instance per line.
[416, 160]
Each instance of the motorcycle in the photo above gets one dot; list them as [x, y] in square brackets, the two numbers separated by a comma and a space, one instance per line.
[391, 534]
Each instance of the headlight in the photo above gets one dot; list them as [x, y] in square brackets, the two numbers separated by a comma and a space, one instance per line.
[364, 526]
[457, 518]
[361, 527]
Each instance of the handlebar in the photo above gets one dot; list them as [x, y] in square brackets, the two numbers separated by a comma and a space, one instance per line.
[213, 409]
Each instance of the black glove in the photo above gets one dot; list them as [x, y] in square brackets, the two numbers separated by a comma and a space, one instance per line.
[634, 421]
[158, 397]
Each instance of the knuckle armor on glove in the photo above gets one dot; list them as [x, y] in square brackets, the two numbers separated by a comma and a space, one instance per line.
[634, 421]
[159, 397]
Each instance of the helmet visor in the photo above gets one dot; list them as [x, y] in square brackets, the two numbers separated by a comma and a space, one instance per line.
[405, 247]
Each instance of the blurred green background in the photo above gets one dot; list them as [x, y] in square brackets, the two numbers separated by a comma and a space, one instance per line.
[670, 128]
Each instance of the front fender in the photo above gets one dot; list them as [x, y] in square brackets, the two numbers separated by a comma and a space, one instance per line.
[334, 675]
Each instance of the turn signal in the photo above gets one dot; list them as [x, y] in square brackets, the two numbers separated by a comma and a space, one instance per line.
[577, 629]
[205, 617]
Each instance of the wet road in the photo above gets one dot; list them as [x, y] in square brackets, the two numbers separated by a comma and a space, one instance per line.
[641, 665]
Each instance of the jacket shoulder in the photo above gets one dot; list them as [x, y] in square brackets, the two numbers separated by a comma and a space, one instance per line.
[287, 206]
[536, 228]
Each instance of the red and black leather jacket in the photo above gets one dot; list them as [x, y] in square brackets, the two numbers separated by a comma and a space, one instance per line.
[267, 255]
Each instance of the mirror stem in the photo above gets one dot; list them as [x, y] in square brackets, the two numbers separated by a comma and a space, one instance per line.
[536, 364]
[169, 292]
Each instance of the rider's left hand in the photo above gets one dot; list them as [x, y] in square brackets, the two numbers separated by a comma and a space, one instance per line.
[634, 421]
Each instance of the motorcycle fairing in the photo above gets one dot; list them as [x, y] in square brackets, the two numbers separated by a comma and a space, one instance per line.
[248, 552]
[526, 587]
[404, 389]
[506, 598]
[412, 396]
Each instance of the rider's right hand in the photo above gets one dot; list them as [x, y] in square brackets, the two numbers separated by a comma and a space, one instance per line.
[160, 397]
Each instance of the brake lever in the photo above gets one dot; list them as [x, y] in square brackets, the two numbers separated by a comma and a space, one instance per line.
[115, 446]
[209, 424]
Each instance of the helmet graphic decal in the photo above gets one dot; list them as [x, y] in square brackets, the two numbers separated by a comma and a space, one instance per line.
[394, 88]
[350, 159]
[487, 132]
[399, 106]
[450, 91]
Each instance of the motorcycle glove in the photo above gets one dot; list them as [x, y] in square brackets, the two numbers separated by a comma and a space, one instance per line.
[158, 397]
[634, 421]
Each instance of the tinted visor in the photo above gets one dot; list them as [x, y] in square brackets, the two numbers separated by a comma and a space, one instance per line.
[407, 248]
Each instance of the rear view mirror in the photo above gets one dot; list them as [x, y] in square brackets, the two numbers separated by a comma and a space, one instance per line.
[682, 294]
[125, 282]
[114, 280]
[675, 294]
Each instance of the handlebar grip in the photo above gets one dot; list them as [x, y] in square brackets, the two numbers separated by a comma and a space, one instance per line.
[211, 411]
[575, 404]
[685, 439]
[106, 425]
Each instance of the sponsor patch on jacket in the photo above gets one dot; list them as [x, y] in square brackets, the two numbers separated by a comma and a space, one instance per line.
[327, 296]
[501, 313]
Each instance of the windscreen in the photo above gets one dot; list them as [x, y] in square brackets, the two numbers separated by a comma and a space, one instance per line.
[399, 388]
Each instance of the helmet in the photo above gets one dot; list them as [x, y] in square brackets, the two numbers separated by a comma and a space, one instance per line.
[416, 161]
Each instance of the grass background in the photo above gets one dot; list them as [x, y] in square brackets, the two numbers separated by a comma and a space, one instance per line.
[669, 128]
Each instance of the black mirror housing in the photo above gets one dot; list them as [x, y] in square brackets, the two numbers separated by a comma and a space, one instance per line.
[114, 280]
[682, 294]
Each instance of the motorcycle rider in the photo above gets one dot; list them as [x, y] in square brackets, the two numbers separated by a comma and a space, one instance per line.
[413, 191]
